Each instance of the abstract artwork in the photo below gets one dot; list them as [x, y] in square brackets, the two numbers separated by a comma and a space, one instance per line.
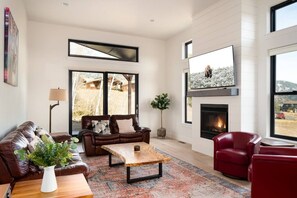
[11, 46]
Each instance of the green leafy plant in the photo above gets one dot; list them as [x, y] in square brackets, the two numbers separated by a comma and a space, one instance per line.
[48, 153]
[161, 102]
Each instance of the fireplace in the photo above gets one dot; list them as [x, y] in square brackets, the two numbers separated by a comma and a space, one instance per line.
[214, 120]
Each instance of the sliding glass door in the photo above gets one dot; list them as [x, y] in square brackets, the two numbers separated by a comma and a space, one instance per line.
[121, 93]
[100, 93]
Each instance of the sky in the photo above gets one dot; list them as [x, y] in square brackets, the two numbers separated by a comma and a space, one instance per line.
[286, 17]
[216, 59]
[286, 67]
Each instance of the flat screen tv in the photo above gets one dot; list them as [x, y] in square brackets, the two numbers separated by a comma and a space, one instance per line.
[212, 70]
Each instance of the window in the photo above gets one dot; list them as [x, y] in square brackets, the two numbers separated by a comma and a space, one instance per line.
[87, 49]
[284, 95]
[100, 93]
[188, 102]
[188, 49]
[283, 15]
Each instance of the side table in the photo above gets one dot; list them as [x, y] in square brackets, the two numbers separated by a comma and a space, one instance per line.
[68, 186]
[271, 142]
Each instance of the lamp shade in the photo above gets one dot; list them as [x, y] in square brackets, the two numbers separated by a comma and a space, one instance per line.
[57, 94]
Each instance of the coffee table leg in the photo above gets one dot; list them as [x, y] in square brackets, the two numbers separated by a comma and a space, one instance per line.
[110, 161]
[160, 170]
[129, 180]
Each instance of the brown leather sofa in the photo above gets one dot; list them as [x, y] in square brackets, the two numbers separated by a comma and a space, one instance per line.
[13, 169]
[92, 141]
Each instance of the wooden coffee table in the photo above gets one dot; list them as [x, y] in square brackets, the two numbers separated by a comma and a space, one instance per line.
[131, 158]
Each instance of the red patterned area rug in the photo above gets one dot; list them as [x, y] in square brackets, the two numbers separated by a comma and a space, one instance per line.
[180, 180]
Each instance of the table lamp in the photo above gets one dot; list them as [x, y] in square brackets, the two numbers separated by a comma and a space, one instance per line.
[57, 95]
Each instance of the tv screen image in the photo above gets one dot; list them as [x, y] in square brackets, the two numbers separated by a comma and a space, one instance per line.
[212, 70]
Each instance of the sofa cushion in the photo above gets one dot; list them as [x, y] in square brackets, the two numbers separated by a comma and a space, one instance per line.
[114, 118]
[236, 156]
[106, 139]
[32, 145]
[28, 130]
[14, 141]
[125, 126]
[40, 132]
[131, 137]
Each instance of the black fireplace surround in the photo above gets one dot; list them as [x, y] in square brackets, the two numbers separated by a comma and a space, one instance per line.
[214, 120]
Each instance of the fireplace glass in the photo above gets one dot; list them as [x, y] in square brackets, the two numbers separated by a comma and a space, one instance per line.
[214, 120]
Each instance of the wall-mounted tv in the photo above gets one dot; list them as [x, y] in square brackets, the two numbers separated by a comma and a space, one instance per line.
[212, 70]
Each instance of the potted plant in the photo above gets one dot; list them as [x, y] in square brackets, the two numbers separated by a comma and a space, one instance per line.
[47, 154]
[161, 102]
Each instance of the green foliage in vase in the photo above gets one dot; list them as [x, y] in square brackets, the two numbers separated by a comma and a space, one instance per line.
[48, 153]
[161, 102]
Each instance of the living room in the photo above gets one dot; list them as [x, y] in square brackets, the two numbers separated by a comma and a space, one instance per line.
[43, 64]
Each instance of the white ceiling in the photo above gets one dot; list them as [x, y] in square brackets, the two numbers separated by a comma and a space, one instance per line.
[122, 16]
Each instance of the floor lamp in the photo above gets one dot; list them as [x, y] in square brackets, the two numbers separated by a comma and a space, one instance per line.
[57, 95]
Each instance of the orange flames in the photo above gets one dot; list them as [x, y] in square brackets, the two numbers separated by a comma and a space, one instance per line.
[220, 123]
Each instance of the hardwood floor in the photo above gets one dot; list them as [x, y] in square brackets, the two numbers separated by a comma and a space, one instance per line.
[184, 152]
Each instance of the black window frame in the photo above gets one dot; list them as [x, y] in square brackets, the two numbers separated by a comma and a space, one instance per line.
[105, 92]
[273, 10]
[186, 98]
[103, 44]
[187, 47]
[273, 93]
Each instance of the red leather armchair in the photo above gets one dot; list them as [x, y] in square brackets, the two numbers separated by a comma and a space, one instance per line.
[273, 172]
[233, 152]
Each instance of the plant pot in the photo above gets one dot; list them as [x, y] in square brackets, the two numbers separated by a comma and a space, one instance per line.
[49, 182]
[161, 132]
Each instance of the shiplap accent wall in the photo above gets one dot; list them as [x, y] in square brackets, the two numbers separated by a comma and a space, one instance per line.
[228, 22]
[248, 71]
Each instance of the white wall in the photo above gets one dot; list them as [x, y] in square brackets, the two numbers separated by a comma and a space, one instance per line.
[49, 65]
[175, 65]
[13, 99]
[267, 41]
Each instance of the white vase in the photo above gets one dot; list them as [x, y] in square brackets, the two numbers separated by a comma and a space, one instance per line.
[49, 182]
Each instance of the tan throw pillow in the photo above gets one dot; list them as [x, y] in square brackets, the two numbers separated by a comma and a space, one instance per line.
[32, 145]
[125, 126]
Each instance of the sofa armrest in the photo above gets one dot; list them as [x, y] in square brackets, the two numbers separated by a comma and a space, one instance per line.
[143, 129]
[61, 136]
[253, 146]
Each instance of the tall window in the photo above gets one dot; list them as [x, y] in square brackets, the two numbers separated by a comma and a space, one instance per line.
[284, 95]
[283, 15]
[100, 93]
[188, 102]
[188, 49]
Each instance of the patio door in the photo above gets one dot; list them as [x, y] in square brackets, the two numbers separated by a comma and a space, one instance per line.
[100, 93]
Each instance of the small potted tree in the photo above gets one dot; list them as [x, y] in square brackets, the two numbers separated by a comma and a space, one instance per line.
[161, 102]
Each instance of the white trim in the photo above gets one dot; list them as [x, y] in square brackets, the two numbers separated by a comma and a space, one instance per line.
[282, 50]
